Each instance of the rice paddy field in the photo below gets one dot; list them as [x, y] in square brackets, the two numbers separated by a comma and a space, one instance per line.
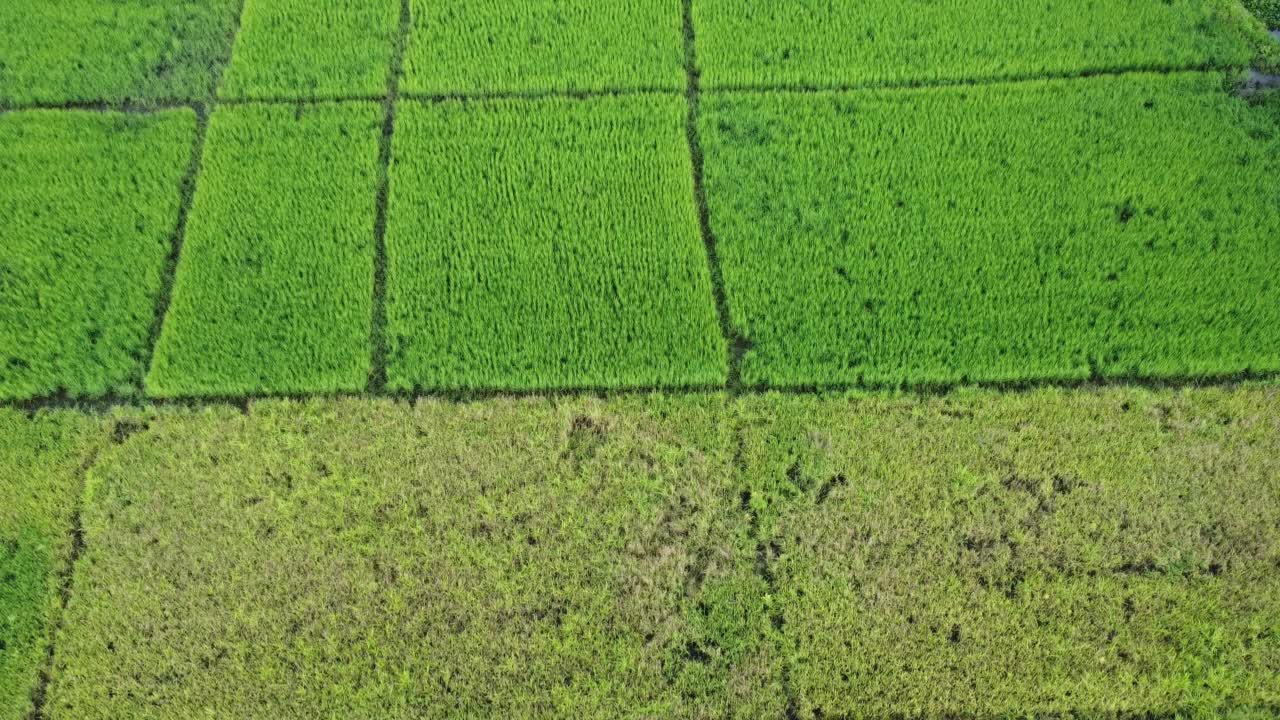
[648, 359]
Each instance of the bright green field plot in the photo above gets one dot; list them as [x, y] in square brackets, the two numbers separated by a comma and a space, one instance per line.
[301, 48]
[365, 559]
[547, 244]
[274, 289]
[1117, 226]
[92, 50]
[543, 45]
[827, 44]
[39, 480]
[90, 202]
[1052, 554]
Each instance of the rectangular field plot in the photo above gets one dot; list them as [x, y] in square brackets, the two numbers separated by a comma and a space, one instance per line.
[40, 463]
[62, 51]
[274, 288]
[489, 46]
[1117, 227]
[89, 203]
[1268, 11]
[366, 559]
[1050, 554]
[304, 49]
[547, 244]
[819, 43]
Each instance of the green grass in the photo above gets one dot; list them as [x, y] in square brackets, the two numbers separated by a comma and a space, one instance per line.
[547, 244]
[499, 46]
[1050, 554]
[298, 49]
[1121, 226]
[367, 559]
[826, 44]
[90, 202]
[40, 459]
[61, 51]
[274, 287]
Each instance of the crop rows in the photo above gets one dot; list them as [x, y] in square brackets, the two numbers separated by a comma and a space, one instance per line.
[274, 290]
[303, 49]
[942, 236]
[917, 237]
[89, 203]
[1003, 232]
[1052, 553]
[818, 43]
[547, 244]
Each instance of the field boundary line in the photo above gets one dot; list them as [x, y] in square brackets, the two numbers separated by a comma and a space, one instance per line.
[143, 108]
[736, 344]
[378, 323]
[788, 88]
[106, 404]
[66, 580]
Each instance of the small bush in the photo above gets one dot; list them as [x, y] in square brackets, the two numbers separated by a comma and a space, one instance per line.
[274, 290]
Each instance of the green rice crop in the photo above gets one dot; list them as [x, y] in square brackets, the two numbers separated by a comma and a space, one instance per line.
[820, 43]
[304, 49]
[40, 459]
[499, 46]
[275, 283]
[368, 559]
[1048, 554]
[90, 202]
[59, 51]
[1115, 226]
[546, 244]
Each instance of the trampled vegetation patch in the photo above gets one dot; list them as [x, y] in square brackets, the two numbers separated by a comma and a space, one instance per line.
[1117, 226]
[275, 283]
[547, 244]
[491, 46]
[365, 559]
[817, 43]
[123, 50]
[304, 49]
[90, 202]
[1050, 554]
[40, 460]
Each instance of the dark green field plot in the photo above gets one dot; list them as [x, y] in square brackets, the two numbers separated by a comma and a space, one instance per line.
[1052, 554]
[39, 462]
[89, 203]
[365, 559]
[124, 50]
[305, 49]
[818, 43]
[543, 45]
[1268, 11]
[1120, 227]
[274, 288]
[547, 244]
